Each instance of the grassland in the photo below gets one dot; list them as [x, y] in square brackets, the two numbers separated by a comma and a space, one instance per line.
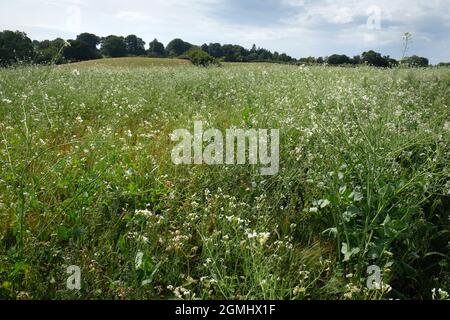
[87, 180]
[129, 62]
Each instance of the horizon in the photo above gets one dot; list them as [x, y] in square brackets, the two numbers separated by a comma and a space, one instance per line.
[298, 28]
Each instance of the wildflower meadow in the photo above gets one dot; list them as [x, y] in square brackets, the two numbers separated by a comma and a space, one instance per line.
[359, 208]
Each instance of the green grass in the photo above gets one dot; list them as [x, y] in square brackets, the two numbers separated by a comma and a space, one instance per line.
[129, 62]
[86, 179]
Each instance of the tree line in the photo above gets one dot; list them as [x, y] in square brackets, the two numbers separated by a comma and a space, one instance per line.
[15, 46]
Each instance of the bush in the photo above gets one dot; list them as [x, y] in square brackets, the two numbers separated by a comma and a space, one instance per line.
[199, 57]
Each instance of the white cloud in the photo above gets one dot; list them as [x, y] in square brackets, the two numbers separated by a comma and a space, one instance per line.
[301, 28]
[132, 16]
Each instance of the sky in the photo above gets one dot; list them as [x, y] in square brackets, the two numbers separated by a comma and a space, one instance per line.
[301, 28]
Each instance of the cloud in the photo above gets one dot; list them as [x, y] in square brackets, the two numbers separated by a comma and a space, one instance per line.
[298, 27]
[132, 16]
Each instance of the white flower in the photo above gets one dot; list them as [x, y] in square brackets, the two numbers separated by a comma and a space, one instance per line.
[324, 203]
[252, 235]
[138, 260]
[447, 126]
[146, 282]
[263, 237]
[145, 213]
[129, 173]
[75, 72]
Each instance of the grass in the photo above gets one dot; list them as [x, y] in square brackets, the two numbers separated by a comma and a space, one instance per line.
[129, 62]
[86, 180]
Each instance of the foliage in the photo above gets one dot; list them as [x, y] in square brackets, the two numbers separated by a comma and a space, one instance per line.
[79, 51]
[416, 62]
[135, 46]
[48, 52]
[15, 46]
[91, 40]
[156, 49]
[375, 59]
[338, 59]
[177, 47]
[199, 57]
[114, 46]
[86, 179]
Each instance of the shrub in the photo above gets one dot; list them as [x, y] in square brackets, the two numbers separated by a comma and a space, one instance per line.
[199, 57]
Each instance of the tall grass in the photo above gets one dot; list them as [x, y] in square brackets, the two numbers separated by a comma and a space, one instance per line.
[86, 179]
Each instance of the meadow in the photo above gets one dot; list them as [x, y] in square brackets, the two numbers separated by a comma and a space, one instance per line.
[86, 179]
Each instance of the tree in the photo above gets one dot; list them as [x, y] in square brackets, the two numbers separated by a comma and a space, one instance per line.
[156, 49]
[308, 60]
[234, 53]
[373, 58]
[285, 58]
[199, 57]
[79, 51]
[47, 51]
[177, 47]
[135, 46]
[416, 62]
[90, 39]
[114, 46]
[264, 55]
[356, 60]
[338, 59]
[215, 50]
[205, 48]
[15, 46]
[391, 62]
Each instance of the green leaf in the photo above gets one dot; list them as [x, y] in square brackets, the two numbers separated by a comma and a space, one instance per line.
[347, 252]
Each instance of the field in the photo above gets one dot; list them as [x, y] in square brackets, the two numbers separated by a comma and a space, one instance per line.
[133, 62]
[86, 179]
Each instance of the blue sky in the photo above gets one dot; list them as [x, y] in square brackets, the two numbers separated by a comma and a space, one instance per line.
[298, 27]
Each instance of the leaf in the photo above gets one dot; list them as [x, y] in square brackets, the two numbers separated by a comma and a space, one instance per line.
[356, 196]
[324, 203]
[386, 221]
[347, 252]
[331, 231]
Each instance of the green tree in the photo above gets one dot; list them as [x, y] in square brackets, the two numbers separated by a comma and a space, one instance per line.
[215, 50]
[416, 62]
[338, 59]
[356, 60]
[15, 46]
[156, 49]
[47, 51]
[199, 57]
[373, 58]
[135, 46]
[177, 47]
[79, 51]
[114, 46]
[90, 39]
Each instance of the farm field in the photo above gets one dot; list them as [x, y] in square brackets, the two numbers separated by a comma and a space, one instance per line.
[128, 62]
[86, 179]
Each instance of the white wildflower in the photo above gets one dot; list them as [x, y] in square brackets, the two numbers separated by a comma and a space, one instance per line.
[138, 260]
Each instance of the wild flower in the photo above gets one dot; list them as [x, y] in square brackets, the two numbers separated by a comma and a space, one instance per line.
[138, 260]
[144, 213]
[439, 294]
